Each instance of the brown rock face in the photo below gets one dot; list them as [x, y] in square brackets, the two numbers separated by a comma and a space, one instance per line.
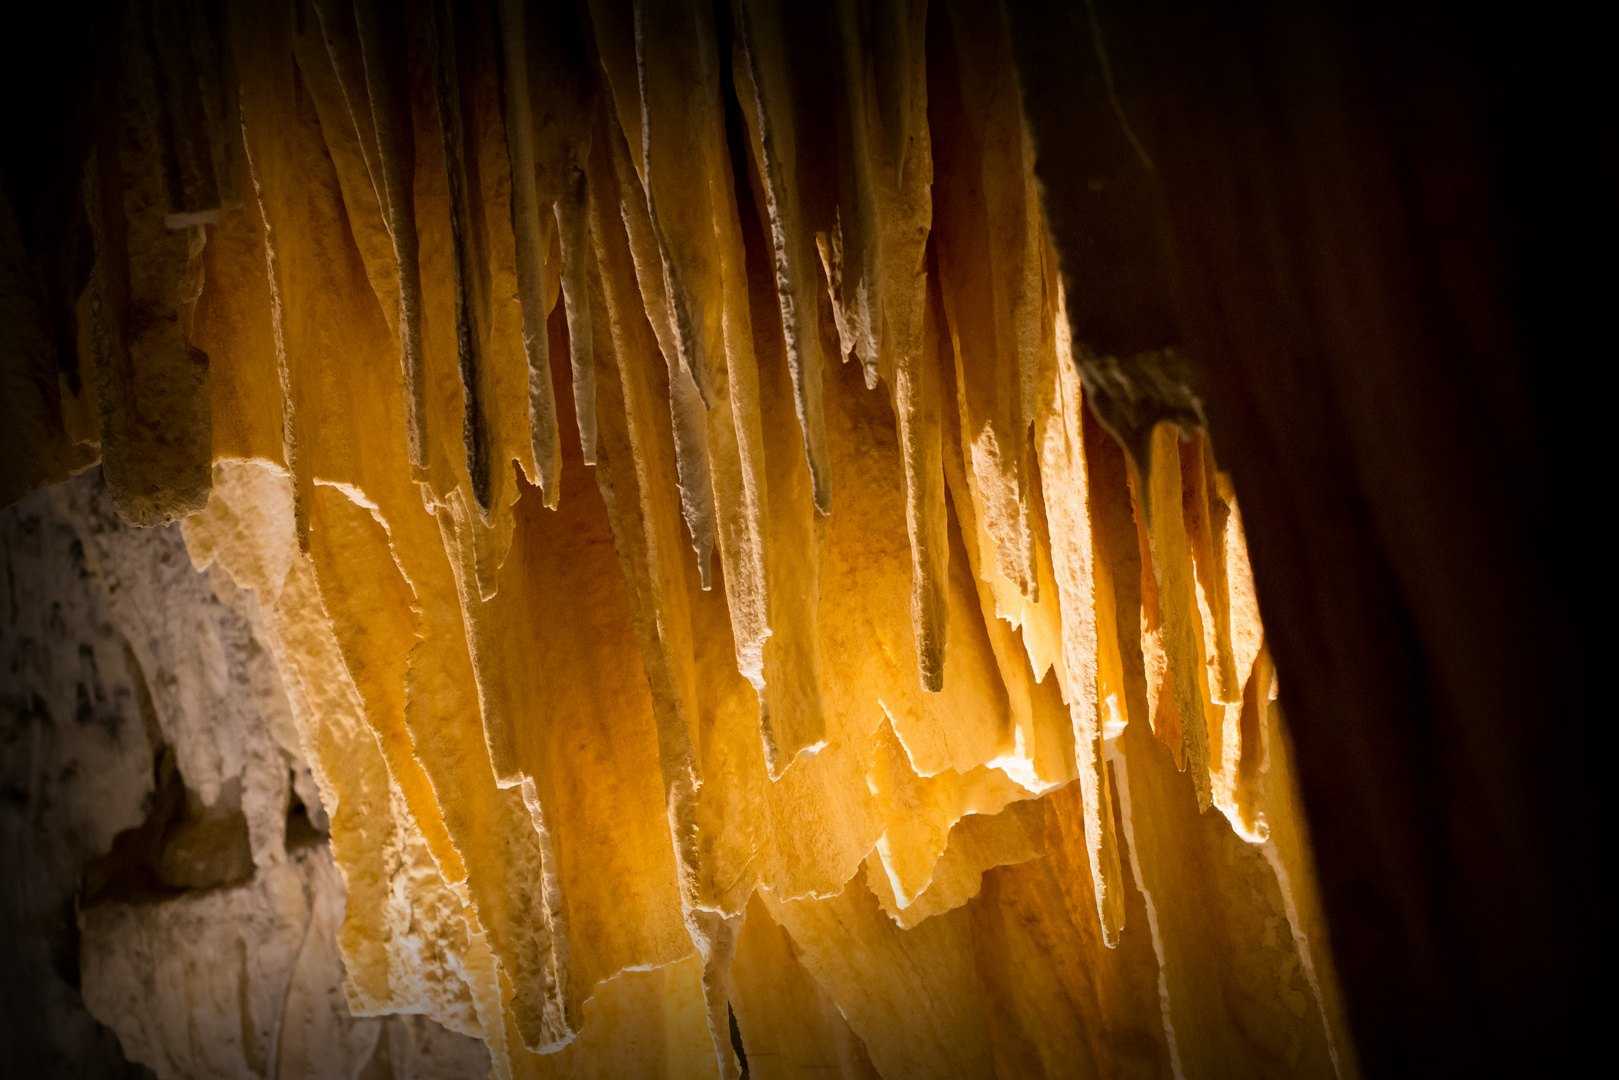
[1367, 228]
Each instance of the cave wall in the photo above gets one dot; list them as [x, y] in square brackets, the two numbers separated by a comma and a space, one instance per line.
[171, 906]
[78, 763]
[1374, 231]
[1356, 246]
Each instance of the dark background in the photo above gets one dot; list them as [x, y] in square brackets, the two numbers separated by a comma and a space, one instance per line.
[1382, 235]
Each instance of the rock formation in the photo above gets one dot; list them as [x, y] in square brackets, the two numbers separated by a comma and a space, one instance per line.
[172, 877]
[631, 539]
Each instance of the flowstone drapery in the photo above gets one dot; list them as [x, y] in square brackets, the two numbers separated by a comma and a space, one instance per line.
[721, 633]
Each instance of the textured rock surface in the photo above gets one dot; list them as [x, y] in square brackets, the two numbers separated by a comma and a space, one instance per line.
[961, 759]
[1365, 233]
[171, 901]
[78, 753]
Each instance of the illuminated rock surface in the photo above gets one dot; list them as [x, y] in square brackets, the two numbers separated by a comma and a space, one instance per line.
[655, 541]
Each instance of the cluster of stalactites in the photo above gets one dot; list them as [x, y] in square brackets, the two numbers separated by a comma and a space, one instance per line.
[468, 348]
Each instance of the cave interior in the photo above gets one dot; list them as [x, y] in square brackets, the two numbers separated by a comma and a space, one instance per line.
[875, 538]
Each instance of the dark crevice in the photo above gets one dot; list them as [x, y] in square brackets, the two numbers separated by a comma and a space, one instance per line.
[181, 845]
[736, 1042]
[302, 831]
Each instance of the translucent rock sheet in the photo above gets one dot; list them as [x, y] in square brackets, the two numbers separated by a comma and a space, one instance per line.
[790, 1025]
[403, 933]
[1061, 1002]
[923, 1015]
[1214, 904]
[587, 746]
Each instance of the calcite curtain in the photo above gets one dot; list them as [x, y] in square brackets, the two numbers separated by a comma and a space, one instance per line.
[721, 633]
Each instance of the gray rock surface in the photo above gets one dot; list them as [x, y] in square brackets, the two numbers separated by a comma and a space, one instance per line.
[76, 769]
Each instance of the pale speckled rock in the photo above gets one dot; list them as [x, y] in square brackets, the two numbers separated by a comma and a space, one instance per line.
[75, 770]
[197, 985]
[247, 981]
[415, 1048]
[243, 979]
[218, 697]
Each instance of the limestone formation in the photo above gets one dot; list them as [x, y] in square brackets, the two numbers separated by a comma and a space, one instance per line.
[962, 759]
[155, 755]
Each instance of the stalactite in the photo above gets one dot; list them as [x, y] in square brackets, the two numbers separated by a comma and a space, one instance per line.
[927, 786]
[546, 89]
[151, 381]
[767, 96]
